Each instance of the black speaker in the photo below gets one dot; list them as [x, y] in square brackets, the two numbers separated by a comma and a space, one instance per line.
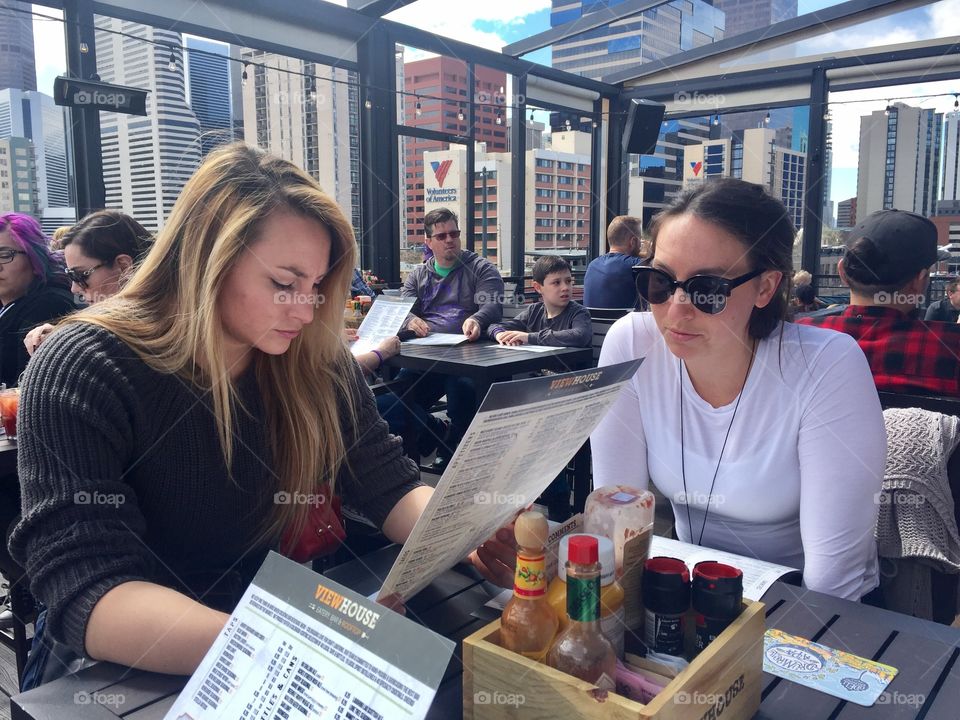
[642, 129]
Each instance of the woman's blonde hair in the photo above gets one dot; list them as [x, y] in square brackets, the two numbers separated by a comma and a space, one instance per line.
[168, 314]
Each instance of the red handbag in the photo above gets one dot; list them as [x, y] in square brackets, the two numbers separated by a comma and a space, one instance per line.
[321, 535]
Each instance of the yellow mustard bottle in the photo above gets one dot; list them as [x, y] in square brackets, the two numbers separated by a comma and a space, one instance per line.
[611, 592]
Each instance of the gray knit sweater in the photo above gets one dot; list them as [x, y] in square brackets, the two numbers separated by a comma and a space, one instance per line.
[123, 479]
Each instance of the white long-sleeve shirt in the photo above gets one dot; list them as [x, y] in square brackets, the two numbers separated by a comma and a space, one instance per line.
[803, 466]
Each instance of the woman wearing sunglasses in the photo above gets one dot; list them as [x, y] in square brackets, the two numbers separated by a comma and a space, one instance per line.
[33, 289]
[101, 251]
[181, 427]
[767, 439]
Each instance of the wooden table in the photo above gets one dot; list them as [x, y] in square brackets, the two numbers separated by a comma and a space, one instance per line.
[486, 362]
[927, 687]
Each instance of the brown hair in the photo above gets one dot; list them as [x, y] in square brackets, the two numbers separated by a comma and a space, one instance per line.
[758, 220]
[434, 217]
[168, 315]
[622, 229]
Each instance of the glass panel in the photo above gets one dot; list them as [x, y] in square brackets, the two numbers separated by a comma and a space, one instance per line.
[36, 165]
[937, 20]
[892, 147]
[558, 204]
[768, 148]
[495, 107]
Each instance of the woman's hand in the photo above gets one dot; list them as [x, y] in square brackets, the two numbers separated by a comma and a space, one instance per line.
[36, 336]
[496, 559]
[350, 335]
[389, 347]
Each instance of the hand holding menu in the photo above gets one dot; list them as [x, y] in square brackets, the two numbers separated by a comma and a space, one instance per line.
[524, 434]
[301, 646]
[384, 319]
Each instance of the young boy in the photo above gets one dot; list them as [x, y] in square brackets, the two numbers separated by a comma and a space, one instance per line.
[555, 320]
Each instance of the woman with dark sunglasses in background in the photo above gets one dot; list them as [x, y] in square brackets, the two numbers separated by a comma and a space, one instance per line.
[766, 437]
[100, 251]
[33, 289]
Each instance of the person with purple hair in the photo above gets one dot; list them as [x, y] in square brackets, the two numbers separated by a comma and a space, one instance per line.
[33, 289]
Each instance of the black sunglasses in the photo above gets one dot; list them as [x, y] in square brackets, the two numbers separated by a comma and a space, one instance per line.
[707, 293]
[453, 235]
[81, 277]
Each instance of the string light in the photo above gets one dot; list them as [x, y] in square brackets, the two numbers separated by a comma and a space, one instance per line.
[172, 63]
[243, 76]
[499, 118]
[531, 116]
[84, 48]
[886, 110]
[367, 104]
[716, 120]
[766, 120]
[956, 103]
[313, 90]
[460, 113]
[419, 109]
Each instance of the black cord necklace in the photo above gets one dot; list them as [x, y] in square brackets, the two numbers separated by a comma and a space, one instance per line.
[683, 469]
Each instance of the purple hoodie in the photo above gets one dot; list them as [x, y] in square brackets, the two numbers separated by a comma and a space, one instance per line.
[473, 288]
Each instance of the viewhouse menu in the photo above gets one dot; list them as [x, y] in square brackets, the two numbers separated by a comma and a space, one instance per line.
[301, 646]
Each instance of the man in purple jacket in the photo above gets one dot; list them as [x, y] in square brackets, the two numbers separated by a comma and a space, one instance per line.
[457, 291]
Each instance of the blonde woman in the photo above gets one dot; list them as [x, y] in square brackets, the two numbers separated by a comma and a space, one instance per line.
[173, 432]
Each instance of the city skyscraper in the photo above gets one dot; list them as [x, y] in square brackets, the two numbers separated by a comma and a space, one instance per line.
[34, 116]
[436, 95]
[146, 160]
[307, 113]
[18, 68]
[18, 180]
[208, 91]
[654, 34]
[743, 15]
[756, 156]
[950, 189]
[899, 160]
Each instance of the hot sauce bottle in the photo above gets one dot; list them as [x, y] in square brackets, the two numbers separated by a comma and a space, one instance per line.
[582, 650]
[529, 623]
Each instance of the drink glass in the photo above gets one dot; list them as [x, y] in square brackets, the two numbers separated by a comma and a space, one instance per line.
[9, 399]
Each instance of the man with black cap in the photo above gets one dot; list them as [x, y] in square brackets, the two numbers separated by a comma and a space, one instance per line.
[887, 268]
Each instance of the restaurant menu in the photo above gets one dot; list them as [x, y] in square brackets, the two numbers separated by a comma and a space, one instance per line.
[524, 434]
[383, 320]
[301, 646]
[758, 575]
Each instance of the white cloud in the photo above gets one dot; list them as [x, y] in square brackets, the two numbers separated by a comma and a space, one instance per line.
[49, 47]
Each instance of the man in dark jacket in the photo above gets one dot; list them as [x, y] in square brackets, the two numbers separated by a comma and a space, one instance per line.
[948, 309]
[456, 291]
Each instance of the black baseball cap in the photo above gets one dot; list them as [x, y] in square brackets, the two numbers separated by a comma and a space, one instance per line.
[889, 246]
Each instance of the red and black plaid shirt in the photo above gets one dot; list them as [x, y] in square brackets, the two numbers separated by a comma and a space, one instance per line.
[905, 354]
